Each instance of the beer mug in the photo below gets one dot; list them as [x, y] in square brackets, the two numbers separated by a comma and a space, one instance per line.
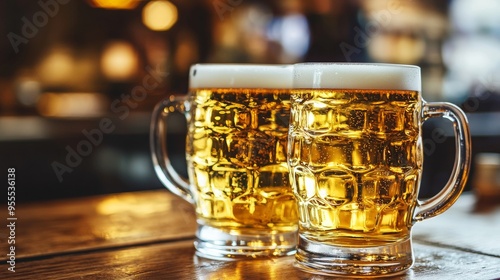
[355, 158]
[237, 118]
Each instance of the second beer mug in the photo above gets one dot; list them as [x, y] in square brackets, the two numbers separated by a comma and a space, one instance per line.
[238, 117]
[355, 156]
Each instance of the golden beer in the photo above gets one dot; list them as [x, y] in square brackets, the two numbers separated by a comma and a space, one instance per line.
[237, 132]
[356, 163]
[236, 150]
[355, 158]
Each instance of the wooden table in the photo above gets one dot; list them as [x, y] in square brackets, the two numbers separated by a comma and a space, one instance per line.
[149, 235]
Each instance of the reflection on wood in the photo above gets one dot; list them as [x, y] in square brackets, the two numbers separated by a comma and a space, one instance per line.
[102, 222]
[177, 261]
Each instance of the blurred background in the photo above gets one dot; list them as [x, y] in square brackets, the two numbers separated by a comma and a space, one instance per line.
[79, 78]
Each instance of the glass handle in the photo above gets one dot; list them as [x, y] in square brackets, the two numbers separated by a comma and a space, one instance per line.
[456, 183]
[158, 144]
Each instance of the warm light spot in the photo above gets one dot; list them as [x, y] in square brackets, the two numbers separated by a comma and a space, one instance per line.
[114, 205]
[115, 4]
[119, 61]
[396, 48]
[56, 67]
[72, 105]
[159, 15]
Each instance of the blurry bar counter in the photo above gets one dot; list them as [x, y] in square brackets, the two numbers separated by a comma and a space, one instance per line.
[60, 157]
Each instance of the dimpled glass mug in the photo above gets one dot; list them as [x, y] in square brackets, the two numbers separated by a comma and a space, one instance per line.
[355, 158]
[238, 118]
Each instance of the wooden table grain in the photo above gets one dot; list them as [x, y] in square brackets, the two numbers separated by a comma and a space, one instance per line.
[149, 235]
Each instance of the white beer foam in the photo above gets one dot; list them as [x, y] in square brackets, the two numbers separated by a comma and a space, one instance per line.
[357, 76]
[240, 76]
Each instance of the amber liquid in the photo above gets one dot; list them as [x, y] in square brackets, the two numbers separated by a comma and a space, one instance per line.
[355, 160]
[236, 149]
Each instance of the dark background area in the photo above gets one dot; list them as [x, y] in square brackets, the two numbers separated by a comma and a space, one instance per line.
[67, 65]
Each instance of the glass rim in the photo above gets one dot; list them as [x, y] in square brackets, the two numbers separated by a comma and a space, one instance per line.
[361, 64]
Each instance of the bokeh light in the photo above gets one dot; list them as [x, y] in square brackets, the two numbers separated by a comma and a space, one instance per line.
[159, 15]
[119, 61]
[115, 4]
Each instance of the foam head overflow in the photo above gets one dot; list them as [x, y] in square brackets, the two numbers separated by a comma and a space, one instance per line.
[356, 76]
[240, 76]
